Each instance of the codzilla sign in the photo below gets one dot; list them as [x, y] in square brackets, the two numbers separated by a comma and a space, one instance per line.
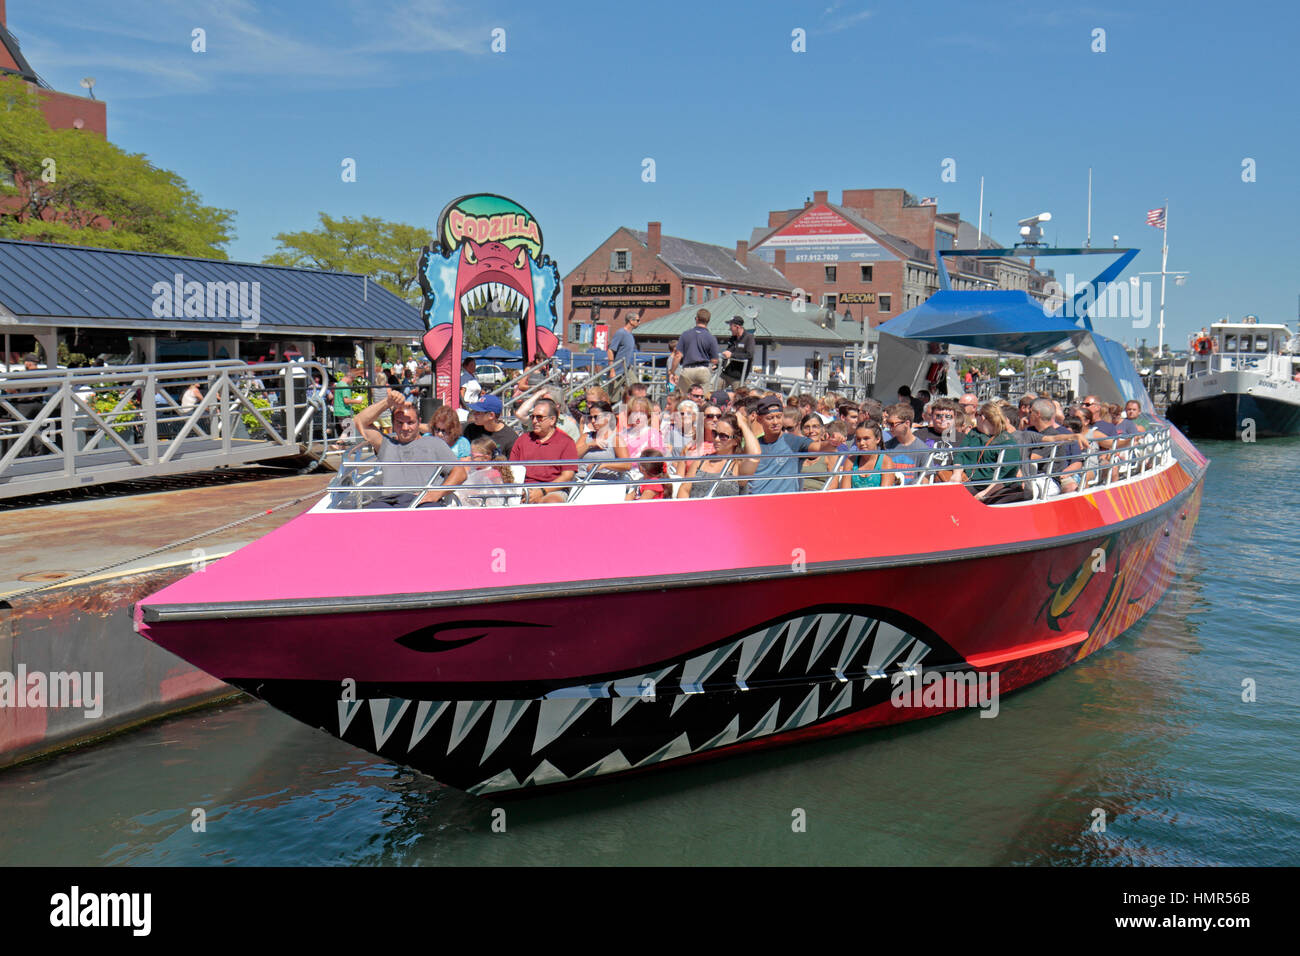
[486, 263]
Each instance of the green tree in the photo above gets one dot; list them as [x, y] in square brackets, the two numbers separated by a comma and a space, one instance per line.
[484, 333]
[387, 252]
[70, 186]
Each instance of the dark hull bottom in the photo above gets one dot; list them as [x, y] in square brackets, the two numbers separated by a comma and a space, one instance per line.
[1225, 416]
[820, 673]
[816, 671]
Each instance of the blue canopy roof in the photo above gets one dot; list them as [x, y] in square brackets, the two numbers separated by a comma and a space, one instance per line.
[1003, 321]
[495, 353]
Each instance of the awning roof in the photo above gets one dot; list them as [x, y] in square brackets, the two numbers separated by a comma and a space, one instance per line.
[1003, 321]
[50, 284]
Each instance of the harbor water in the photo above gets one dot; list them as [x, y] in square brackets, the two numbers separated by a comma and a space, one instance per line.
[1150, 752]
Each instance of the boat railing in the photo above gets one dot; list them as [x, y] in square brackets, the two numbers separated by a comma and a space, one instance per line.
[1031, 470]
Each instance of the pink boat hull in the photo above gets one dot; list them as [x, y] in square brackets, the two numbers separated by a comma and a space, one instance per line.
[467, 644]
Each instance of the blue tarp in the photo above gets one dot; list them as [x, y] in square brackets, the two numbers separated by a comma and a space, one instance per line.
[1003, 321]
[498, 355]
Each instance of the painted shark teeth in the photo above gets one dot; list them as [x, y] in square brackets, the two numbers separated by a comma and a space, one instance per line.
[495, 295]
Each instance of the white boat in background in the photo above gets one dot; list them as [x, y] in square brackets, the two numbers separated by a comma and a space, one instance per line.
[1241, 379]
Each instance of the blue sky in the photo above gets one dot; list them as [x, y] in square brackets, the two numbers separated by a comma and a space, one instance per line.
[735, 120]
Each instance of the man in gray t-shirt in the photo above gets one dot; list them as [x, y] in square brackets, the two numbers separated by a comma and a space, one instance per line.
[394, 454]
[622, 346]
[776, 471]
[403, 450]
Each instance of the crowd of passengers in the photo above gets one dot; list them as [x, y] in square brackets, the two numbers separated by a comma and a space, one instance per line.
[744, 441]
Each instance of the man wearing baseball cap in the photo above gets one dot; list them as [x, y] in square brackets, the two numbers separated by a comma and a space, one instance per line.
[776, 471]
[737, 354]
[485, 422]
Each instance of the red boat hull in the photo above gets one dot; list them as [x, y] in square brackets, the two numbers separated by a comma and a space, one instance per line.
[520, 685]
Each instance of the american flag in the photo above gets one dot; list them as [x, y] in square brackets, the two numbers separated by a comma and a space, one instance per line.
[1156, 217]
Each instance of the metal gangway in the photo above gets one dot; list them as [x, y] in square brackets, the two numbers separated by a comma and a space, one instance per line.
[69, 428]
[552, 375]
[789, 385]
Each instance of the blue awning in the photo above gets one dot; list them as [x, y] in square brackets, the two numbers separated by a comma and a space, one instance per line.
[1003, 321]
[495, 353]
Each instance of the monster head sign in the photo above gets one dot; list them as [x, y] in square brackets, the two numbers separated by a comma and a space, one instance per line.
[486, 263]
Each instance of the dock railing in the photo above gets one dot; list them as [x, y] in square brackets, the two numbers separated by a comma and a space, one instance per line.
[68, 428]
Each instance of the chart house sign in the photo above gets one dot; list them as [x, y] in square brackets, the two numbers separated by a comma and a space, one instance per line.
[487, 262]
[628, 295]
[623, 290]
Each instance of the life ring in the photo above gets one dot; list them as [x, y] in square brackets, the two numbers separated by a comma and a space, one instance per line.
[1204, 345]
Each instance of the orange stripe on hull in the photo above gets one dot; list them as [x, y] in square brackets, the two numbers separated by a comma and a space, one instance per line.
[982, 661]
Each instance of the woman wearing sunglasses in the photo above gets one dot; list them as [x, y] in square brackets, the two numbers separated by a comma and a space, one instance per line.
[713, 477]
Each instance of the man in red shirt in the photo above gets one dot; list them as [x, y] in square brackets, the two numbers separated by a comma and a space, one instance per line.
[545, 443]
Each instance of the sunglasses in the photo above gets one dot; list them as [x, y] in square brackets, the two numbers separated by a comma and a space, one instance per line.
[540, 418]
[719, 436]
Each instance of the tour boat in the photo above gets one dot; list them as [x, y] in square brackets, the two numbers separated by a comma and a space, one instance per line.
[1243, 379]
[497, 649]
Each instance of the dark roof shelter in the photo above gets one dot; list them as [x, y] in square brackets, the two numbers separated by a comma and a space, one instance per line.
[46, 289]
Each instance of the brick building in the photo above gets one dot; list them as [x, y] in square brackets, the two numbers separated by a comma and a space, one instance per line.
[872, 255]
[62, 110]
[655, 275]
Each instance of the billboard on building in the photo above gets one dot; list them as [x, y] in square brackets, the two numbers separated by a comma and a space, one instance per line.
[823, 235]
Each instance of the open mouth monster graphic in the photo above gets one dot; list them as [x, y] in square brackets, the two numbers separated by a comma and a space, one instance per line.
[487, 263]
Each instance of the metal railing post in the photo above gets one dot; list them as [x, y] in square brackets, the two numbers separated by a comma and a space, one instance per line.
[69, 428]
[150, 408]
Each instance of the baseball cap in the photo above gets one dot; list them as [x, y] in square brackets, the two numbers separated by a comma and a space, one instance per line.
[490, 403]
[770, 404]
[720, 398]
[737, 320]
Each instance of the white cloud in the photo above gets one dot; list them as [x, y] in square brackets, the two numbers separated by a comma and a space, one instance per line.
[837, 18]
[246, 43]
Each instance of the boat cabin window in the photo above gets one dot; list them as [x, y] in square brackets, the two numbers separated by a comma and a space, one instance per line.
[1261, 343]
[1230, 342]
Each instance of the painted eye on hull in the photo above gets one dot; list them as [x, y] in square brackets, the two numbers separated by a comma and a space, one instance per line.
[469, 254]
[521, 258]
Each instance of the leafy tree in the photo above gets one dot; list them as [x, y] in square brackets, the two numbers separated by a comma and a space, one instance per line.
[484, 333]
[387, 252]
[70, 186]
[979, 365]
